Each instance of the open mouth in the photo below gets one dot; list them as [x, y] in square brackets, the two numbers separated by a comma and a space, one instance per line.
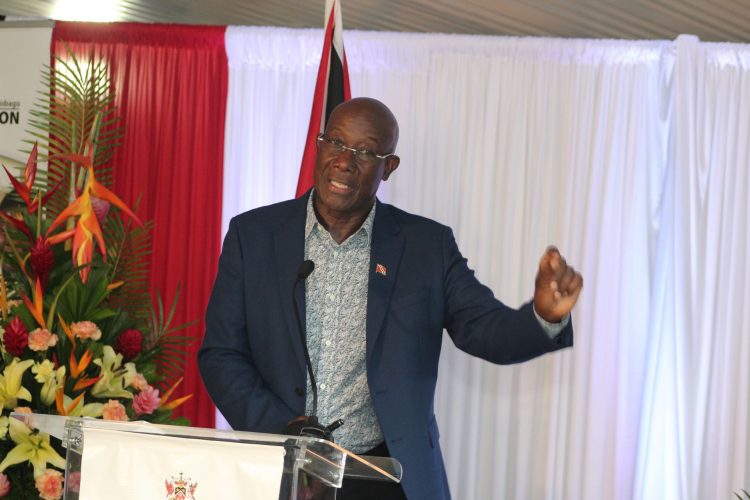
[339, 187]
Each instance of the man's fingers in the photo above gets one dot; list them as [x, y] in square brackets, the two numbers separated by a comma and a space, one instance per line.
[549, 264]
[564, 281]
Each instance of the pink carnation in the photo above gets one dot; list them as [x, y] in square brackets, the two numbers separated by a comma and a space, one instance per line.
[146, 401]
[4, 485]
[85, 330]
[41, 339]
[49, 485]
[113, 410]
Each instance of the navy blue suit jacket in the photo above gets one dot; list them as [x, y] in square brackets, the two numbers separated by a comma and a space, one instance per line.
[252, 361]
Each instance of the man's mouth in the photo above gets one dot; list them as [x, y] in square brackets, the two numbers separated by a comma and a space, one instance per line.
[339, 187]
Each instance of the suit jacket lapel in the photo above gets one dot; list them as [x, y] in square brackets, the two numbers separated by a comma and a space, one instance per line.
[289, 242]
[385, 256]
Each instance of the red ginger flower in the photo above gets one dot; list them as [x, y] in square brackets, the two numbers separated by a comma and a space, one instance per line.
[16, 337]
[42, 260]
[129, 343]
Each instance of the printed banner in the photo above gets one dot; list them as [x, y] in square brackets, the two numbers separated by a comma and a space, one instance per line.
[24, 52]
[124, 466]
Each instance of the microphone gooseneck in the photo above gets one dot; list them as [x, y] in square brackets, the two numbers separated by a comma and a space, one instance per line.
[305, 270]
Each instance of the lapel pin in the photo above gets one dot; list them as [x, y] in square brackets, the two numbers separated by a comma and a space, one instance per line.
[380, 269]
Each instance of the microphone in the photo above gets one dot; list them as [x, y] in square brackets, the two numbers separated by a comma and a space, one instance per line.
[309, 425]
[305, 270]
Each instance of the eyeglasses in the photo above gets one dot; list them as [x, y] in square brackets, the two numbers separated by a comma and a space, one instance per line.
[361, 156]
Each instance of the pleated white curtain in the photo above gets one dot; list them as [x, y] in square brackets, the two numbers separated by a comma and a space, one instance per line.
[632, 158]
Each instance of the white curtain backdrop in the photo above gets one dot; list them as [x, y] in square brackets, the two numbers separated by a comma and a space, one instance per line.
[632, 158]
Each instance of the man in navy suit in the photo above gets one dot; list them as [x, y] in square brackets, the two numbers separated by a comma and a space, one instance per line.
[385, 285]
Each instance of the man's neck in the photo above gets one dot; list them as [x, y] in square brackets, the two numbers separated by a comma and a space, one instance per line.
[340, 225]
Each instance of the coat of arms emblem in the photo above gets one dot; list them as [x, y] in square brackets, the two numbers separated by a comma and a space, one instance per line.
[180, 488]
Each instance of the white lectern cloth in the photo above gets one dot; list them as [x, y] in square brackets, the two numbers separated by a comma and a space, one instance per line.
[127, 466]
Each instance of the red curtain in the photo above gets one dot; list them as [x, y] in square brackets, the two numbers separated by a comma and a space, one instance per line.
[171, 88]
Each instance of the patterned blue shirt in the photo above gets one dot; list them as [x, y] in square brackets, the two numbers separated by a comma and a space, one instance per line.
[336, 319]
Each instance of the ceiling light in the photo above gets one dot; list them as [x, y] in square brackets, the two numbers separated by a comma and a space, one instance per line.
[86, 10]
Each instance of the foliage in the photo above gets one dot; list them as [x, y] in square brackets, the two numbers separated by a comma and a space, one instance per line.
[79, 335]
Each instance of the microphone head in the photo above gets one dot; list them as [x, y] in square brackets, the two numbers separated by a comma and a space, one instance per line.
[305, 270]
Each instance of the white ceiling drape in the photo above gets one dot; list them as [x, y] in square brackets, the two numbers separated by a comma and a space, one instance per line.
[632, 158]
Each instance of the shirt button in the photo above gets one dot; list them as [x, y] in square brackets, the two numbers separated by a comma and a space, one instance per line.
[328, 343]
[322, 386]
[331, 297]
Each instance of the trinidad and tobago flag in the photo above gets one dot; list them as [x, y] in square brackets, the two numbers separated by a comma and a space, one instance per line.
[331, 89]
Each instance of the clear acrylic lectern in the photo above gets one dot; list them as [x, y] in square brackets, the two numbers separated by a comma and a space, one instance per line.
[312, 468]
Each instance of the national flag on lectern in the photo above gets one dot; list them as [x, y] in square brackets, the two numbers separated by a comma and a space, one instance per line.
[331, 89]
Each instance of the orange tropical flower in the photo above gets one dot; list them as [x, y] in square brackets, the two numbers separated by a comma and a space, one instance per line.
[36, 307]
[171, 405]
[24, 188]
[87, 227]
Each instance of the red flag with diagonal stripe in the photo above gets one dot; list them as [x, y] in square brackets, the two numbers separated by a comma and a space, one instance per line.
[331, 89]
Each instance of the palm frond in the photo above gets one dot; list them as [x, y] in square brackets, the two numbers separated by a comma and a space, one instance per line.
[162, 345]
[77, 108]
[129, 249]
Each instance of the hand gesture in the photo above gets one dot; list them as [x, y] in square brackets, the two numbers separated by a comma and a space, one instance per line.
[557, 287]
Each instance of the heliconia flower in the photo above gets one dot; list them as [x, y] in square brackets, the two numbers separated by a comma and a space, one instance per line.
[50, 485]
[30, 446]
[11, 389]
[114, 410]
[41, 339]
[16, 337]
[4, 485]
[24, 188]
[85, 330]
[87, 227]
[146, 401]
[129, 343]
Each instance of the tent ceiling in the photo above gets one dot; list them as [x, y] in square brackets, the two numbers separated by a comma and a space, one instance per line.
[721, 20]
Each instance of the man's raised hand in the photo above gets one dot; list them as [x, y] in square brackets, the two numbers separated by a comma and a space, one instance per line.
[557, 287]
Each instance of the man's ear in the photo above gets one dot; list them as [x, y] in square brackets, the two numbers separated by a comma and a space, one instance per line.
[391, 164]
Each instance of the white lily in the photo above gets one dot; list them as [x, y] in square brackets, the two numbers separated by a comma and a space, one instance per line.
[50, 379]
[113, 378]
[30, 446]
[11, 389]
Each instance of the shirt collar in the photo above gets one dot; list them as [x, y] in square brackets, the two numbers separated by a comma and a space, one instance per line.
[312, 222]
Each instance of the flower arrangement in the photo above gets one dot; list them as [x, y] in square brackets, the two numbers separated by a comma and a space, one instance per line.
[78, 333]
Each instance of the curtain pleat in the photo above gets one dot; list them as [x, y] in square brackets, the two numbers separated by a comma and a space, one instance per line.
[171, 85]
[632, 157]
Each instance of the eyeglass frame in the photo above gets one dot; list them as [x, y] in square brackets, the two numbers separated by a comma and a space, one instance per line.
[358, 154]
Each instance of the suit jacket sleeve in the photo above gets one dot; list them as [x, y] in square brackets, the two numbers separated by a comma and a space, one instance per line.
[481, 325]
[225, 358]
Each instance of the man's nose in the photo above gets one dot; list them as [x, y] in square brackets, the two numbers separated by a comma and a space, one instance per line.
[345, 159]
